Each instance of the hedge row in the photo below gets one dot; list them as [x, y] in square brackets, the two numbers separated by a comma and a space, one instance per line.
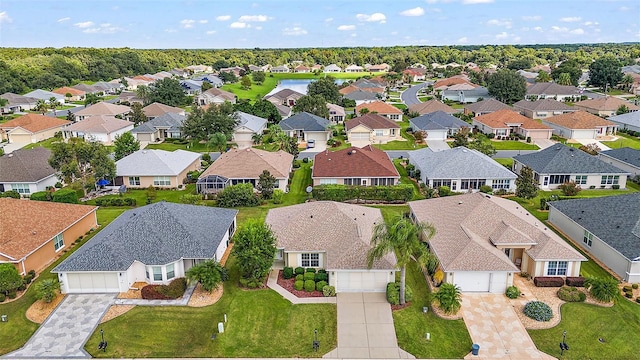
[116, 201]
[396, 193]
[68, 196]
[174, 290]
[576, 281]
[548, 281]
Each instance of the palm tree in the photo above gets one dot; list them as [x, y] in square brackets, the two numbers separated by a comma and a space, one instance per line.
[53, 104]
[407, 240]
[217, 141]
[41, 106]
[256, 138]
[449, 298]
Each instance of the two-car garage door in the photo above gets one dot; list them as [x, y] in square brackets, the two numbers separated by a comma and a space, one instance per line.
[362, 281]
[97, 282]
[481, 281]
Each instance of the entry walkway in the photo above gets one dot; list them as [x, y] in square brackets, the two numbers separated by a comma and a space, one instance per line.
[602, 146]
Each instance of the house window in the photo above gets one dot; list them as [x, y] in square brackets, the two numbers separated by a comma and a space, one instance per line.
[393, 132]
[382, 181]
[587, 238]
[559, 179]
[500, 184]
[556, 268]
[134, 180]
[328, 181]
[310, 260]
[352, 181]
[474, 184]
[609, 180]
[21, 188]
[440, 182]
[161, 181]
[501, 132]
[394, 117]
[379, 132]
[581, 179]
[157, 273]
[171, 272]
[58, 242]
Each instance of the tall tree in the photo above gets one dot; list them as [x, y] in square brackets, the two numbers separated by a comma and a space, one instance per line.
[605, 71]
[125, 144]
[142, 93]
[266, 184]
[245, 83]
[258, 77]
[41, 106]
[407, 240]
[53, 104]
[217, 118]
[571, 67]
[564, 79]
[266, 110]
[70, 116]
[254, 249]
[313, 104]
[327, 88]
[136, 115]
[168, 91]
[90, 99]
[217, 142]
[543, 76]
[507, 86]
[206, 86]
[526, 186]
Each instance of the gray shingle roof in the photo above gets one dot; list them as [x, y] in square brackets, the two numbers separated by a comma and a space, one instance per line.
[44, 95]
[170, 121]
[26, 165]
[630, 118]
[436, 121]
[543, 104]
[361, 95]
[305, 121]
[252, 122]
[480, 91]
[562, 159]
[156, 234]
[487, 105]
[549, 88]
[155, 163]
[628, 155]
[458, 163]
[602, 216]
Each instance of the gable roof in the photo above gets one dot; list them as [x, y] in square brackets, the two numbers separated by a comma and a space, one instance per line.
[156, 109]
[305, 121]
[360, 95]
[379, 107]
[170, 121]
[630, 118]
[155, 234]
[285, 93]
[438, 120]
[469, 225]
[551, 88]
[371, 121]
[86, 88]
[578, 120]
[99, 124]
[35, 123]
[24, 165]
[251, 122]
[103, 108]
[353, 162]
[15, 99]
[562, 159]
[601, 216]
[43, 95]
[155, 163]
[486, 106]
[214, 91]
[336, 109]
[430, 106]
[625, 154]
[23, 228]
[250, 163]
[605, 103]
[341, 230]
[458, 163]
[65, 89]
[501, 118]
[454, 80]
[542, 105]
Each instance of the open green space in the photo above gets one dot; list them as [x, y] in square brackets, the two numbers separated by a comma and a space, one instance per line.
[171, 146]
[624, 140]
[513, 145]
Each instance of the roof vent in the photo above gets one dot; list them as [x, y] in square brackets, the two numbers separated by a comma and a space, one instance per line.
[353, 151]
[348, 152]
[312, 216]
[9, 155]
[34, 233]
[488, 197]
[459, 202]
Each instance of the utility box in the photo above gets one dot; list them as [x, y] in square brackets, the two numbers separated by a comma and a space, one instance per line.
[4, 318]
[220, 327]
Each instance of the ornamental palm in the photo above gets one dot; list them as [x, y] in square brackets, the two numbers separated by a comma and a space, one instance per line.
[407, 240]
[449, 298]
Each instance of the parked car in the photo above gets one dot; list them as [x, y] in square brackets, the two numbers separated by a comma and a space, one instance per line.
[311, 144]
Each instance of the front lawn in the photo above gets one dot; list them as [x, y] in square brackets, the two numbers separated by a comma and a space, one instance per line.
[141, 195]
[398, 145]
[405, 179]
[44, 143]
[506, 162]
[513, 145]
[171, 146]
[624, 140]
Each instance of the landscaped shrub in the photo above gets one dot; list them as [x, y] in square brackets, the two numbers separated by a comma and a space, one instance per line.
[634, 286]
[538, 311]
[627, 288]
[309, 285]
[448, 298]
[397, 193]
[570, 188]
[277, 196]
[115, 201]
[175, 289]
[287, 272]
[331, 291]
[603, 290]
[571, 294]
[237, 195]
[300, 277]
[12, 294]
[27, 279]
[637, 300]
[322, 271]
[41, 196]
[438, 277]
[615, 186]
[486, 189]
[320, 285]
[628, 295]
[10, 194]
[393, 293]
[512, 292]
[548, 281]
[321, 277]
[249, 283]
[444, 191]
[298, 285]
[68, 196]
[577, 281]
[310, 270]
[299, 270]
[46, 290]
[309, 276]
[150, 292]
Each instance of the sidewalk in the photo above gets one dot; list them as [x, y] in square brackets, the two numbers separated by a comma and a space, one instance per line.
[272, 283]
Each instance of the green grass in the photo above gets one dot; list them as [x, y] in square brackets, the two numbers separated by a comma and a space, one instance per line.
[624, 140]
[404, 179]
[513, 145]
[398, 145]
[171, 146]
[297, 190]
[44, 143]
[506, 162]
[141, 195]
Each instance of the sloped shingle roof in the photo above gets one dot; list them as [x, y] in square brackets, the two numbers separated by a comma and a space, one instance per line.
[250, 163]
[26, 165]
[549, 88]
[170, 121]
[543, 105]
[578, 120]
[430, 106]
[437, 120]
[155, 163]
[486, 106]
[251, 122]
[103, 108]
[353, 162]
[372, 121]
[630, 118]
[35, 123]
[99, 124]
[499, 120]
[305, 121]
[609, 103]
[458, 163]
[626, 154]
[379, 107]
[157, 109]
[562, 159]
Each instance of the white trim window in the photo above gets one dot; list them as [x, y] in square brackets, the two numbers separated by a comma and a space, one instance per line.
[328, 181]
[157, 273]
[500, 183]
[134, 180]
[171, 271]
[557, 268]
[310, 259]
[22, 189]
[587, 238]
[58, 242]
[161, 181]
[609, 180]
[379, 133]
[581, 179]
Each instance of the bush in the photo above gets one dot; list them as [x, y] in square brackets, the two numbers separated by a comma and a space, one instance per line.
[175, 289]
[538, 311]
[10, 194]
[320, 285]
[238, 195]
[12, 294]
[309, 285]
[331, 291]
[486, 189]
[396, 193]
[577, 281]
[569, 188]
[3, 297]
[615, 186]
[27, 279]
[150, 292]
[115, 201]
[32, 273]
[571, 294]
[528, 139]
[299, 270]
[46, 290]
[310, 270]
[634, 286]
[627, 288]
[512, 292]
[300, 277]
[41, 196]
[277, 196]
[309, 276]
[58, 185]
[206, 157]
[287, 272]
[393, 293]
[603, 290]
[628, 295]
[637, 300]
[449, 298]
[321, 277]
[491, 136]
[444, 191]
[548, 281]
[68, 196]
[322, 271]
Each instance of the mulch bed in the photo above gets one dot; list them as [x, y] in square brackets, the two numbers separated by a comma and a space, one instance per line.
[400, 307]
[287, 284]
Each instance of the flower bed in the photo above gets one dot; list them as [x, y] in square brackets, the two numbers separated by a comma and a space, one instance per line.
[287, 284]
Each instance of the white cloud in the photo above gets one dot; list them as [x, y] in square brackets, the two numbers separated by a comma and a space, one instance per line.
[346, 27]
[571, 19]
[258, 27]
[203, 21]
[472, 2]
[187, 23]
[239, 25]
[591, 23]
[294, 31]
[559, 29]
[64, 19]
[577, 31]
[502, 35]
[532, 18]
[537, 28]
[328, 20]
[210, 32]
[463, 40]
[375, 17]
[105, 28]
[253, 18]
[496, 22]
[170, 30]
[4, 17]
[84, 25]
[418, 11]
[223, 18]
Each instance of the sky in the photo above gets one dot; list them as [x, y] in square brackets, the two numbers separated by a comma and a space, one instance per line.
[220, 24]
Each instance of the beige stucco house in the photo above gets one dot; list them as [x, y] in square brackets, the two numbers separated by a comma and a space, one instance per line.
[372, 129]
[158, 168]
[31, 128]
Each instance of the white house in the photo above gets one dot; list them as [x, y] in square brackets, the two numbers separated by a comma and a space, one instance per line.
[101, 128]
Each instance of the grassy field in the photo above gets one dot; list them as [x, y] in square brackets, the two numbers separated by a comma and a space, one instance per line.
[508, 162]
[404, 179]
[171, 146]
[624, 140]
[513, 145]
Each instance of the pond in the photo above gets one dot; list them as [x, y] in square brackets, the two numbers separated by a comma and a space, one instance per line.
[299, 85]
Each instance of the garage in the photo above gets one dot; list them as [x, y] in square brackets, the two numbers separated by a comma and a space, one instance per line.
[363, 281]
[360, 136]
[20, 138]
[243, 139]
[477, 281]
[95, 282]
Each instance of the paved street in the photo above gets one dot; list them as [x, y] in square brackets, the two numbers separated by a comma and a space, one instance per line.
[410, 96]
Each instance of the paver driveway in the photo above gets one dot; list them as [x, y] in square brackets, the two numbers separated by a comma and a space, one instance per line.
[66, 330]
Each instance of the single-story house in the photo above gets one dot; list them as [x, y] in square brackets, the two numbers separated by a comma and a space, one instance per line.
[461, 169]
[384, 67]
[280, 69]
[156, 109]
[245, 166]
[215, 96]
[414, 74]
[362, 97]
[333, 68]
[160, 128]
[17, 103]
[158, 168]
[34, 233]
[336, 113]
[366, 166]
[457, 82]
[465, 96]
[109, 87]
[45, 95]
[438, 125]
[551, 90]
[559, 164]
[372, 129]
[580, 125]
[301, 69]
[305, 126]
[596, 225]
[101, 128]
[353, 68]
[625, 158]
[542, 108]
[382, 108]
[484, 107]
[283, 110]
[103, 109]
[333, 236]
[191, 87]
[129, 97]
[506, 122]
[604, 106]
[482, 241]
[430, 106]
[27, 171]
[628, 121]
[31, 128]
[196, 69]
[70, 93]
[88, 89]
[154, 244]
[248, 125]
[286, 97]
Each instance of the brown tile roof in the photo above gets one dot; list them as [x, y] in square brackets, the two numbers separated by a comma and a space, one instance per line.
[103, 108]
[34, 123]
[64, 90]
[372, 121]
[25, 225]
[250, 163]
[445, 83]
[467, 224]
[487, 105]
[379, 107]
[607, 103]
[579, 120]
[353, 162]
[499, 120]
[341, 230]
[99, 124]
[430, 106]
[157, 109]
[221, 93]
[27, 166]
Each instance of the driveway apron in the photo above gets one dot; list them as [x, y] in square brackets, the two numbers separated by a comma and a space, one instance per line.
[67, 329]
[438, 145]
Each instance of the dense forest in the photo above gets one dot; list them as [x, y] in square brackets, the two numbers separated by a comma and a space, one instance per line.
[22, 69]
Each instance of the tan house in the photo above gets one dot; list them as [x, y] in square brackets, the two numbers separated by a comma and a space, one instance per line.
[382, 108]
[366, 166]
[371, 129]
[604, 106]
[542, 109]
[34, 233]
[31, 128]
[285, 97]
[156, 109]
[430, 106]
[580, 125]
[100, 128]
[336, 113]
[76, 95]
[103, 109]
[486, 106]
[158, 168]
[506, 122]
[215, 96]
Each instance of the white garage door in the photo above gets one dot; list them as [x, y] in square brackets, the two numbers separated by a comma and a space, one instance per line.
[362, 281]
[93, 282]
[243, 140]
[472, 281]
[360, 136]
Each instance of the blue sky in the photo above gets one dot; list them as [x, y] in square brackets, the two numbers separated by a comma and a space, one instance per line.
[301, 23]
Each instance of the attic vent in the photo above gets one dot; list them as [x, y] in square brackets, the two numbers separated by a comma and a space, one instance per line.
[33, 233]
[353, 151]
[312, 216]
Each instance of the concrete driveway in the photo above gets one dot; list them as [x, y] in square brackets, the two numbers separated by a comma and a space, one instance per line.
[9, 148]
[602, 146]
[438, 145]
[544, 143]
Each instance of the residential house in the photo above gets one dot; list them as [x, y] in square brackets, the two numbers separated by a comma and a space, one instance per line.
[45, 96]
[482, 241]
[606, 228]
[353, 69]
[103, 109]
[215, 81]
[625, 158]
[191, 87]
[31, 128]
[542, 108]
[366, 166]
[17, 103]
[559, 164]
[285, 97]
[458, 82]
[34, 233]
[336, 113]
[414, 74]
[506, 122]
[371, 129]
[376, 85]
[333, 236]
[604, 106]
[235, 70]
[27, 171]
[280, 69]
[154, 244]
[461, 170]
[215, 96]
[438, 125]
[129, 97]
[159, 128]
[248, 125]
[486, 106]
[316, 67]
[382, 108]
[101, 128]
[283, 110]
[362, 97]
[333, 68]
[245, 166]
[157, 168]
[628, 121]
[156, 109]
[88, 89]
[550, 90]
[580, 125]
[108, 87]
[430, 106]
[71, 94]
[301, 69]
[304, 127]
[254, 68]
[197, 69]
[529, 76]
[464, 96]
